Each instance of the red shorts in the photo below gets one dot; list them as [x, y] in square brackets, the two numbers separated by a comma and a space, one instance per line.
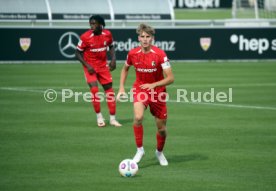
[156, 102]
[103, 76]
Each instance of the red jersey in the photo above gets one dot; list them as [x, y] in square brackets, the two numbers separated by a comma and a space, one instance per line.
[149, 66]
[94, 48]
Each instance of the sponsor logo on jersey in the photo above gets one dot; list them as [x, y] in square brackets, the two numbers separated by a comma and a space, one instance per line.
[205, 43]
[98, 49]
[146, 70]
[25, 43]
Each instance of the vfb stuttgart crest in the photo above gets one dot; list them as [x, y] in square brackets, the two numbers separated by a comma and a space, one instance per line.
[205, 43]
[25, 43]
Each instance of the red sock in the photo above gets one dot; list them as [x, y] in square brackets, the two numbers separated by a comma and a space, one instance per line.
[160, 141]
[138, 133]
[111, 102]
[95, 99]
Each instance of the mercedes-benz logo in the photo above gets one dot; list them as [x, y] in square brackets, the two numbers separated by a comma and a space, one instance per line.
[67, 44]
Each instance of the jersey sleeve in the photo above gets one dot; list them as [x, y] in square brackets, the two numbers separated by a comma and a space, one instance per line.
[81, 44]
[109, 39]
[129, 60]
[165, 62]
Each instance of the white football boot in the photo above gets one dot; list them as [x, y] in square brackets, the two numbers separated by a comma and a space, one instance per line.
[100, 122]
[139, 155]
[115, 123]
[161, 158]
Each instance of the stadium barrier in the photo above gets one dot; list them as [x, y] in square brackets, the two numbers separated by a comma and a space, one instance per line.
[58, 44]
[108, 9]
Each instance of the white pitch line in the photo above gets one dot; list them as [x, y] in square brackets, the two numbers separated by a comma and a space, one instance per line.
[226, 105]
[225, 85]
[171, 101]
[169, 87]
[21, 90]
[26, 90]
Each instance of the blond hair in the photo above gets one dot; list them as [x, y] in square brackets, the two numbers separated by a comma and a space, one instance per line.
[145, 28]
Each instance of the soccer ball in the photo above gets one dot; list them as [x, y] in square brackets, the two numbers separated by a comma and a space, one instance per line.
[128, 168]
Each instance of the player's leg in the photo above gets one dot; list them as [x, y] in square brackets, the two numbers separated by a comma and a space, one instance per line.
[161, 139]
[139, 109]
[111, 103]
[105, 79]
[96, 103]
[161, 133]
[91, 80]
[159, 111]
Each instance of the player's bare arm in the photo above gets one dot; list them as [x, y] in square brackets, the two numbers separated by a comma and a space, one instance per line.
[112, 64]
[79, 56]
[124, 74]
[169, 79]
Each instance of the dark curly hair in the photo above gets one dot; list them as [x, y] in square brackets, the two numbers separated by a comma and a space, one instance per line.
[97, 18]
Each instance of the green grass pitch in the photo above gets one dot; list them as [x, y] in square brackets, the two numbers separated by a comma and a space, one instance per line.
[210, 147]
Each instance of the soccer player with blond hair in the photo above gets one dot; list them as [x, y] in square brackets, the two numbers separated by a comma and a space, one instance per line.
[153, 74]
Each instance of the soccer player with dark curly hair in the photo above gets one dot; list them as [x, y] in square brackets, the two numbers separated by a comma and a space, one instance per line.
[92, 53]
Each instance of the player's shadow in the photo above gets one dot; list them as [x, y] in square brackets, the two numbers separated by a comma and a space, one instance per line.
[127, 121]
[172, 159]
[186, 158]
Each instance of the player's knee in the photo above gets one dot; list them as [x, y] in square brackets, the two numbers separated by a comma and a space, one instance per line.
[92, 84]
[161, 128]
[162, 131]
[94, 89]
[107, 86]
[138, 119]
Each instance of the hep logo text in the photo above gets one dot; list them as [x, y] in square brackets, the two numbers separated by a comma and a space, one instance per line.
[253, 44]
